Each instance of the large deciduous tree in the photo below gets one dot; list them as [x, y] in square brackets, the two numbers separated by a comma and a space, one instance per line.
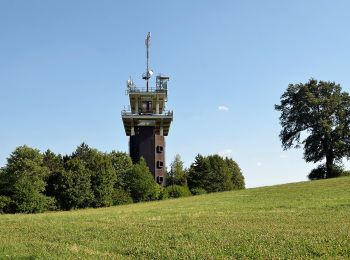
[103, 175]
[121, 163]
[73, 186]
[23, 181]
[320, 112]
[237, 175]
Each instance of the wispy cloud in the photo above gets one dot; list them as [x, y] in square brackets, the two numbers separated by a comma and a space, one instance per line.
[258, 164]
[226, 153]
[223, 108]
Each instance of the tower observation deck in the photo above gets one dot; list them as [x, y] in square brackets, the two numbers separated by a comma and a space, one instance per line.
[147, 122]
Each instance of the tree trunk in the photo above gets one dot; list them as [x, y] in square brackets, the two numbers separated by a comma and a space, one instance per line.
[329, 166]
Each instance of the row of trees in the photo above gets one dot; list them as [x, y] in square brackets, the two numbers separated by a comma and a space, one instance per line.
[207, 174]
[33, 181]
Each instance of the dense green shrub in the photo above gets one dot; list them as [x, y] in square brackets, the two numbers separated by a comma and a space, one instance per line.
[163, 194]
[214, 173]
[140, 182]
[121, 197]
[318, 173]
[6, 204]
[177, 191]
[345, 173]
[321, 172]
[198, 191]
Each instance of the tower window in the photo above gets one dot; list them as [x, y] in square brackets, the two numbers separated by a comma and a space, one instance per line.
[146, 106]
[160, 149]
[160, 179]
[160, 164]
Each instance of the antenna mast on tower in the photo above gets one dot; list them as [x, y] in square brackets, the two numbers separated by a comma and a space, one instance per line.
[147, 75]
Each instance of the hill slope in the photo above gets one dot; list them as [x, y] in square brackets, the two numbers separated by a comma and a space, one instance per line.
[307, 220]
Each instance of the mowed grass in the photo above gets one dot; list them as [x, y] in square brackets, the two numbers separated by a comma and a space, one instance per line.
[300, 220]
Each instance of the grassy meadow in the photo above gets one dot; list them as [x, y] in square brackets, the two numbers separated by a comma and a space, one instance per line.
[299, 220]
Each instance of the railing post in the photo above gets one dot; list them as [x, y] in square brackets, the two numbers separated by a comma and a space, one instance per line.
[161, 128]
[136, 105]
[157, 105]
[132, 131]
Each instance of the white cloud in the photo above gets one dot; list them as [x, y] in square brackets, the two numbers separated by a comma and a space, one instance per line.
[223, 108]
[226, 153]
[283, 156]
[258, 164]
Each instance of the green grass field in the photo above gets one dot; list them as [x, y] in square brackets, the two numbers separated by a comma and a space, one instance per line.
[300, 220]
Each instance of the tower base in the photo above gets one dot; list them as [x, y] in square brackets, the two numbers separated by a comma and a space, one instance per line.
[150, 145]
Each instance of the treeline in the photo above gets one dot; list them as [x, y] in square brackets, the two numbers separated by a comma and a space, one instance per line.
[34, 182]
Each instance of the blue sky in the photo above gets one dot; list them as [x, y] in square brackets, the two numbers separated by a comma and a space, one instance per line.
[63, 67]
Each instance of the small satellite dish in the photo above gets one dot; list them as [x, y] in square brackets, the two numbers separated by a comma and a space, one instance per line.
[147, 75]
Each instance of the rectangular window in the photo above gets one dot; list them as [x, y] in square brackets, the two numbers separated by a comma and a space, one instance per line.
[160, 149]
[147, 107]
[160, 179]
[160, 164]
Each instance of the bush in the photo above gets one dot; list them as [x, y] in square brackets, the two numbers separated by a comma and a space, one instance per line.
[318, 173]
[198, 191]
[177, 191]
[140, 183]
[163, 195]
[6, 204]
[345, 173]
[321, 172]
[121, 197]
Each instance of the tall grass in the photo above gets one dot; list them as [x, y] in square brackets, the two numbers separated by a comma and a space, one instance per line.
[300, 220]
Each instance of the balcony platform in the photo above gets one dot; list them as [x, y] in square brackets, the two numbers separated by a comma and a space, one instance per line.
[157, 120]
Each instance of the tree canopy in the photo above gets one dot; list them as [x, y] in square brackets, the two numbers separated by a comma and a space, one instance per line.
[140, 182]
[316, 115]
[23, 181]
[213, 173]
[177, 174]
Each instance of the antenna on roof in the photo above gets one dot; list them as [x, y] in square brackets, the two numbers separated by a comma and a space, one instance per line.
[147, 75]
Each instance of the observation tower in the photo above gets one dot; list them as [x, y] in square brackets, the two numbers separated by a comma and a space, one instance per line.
[147, 122]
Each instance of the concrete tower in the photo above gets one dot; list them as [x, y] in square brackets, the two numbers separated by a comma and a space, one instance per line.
[147, 121]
